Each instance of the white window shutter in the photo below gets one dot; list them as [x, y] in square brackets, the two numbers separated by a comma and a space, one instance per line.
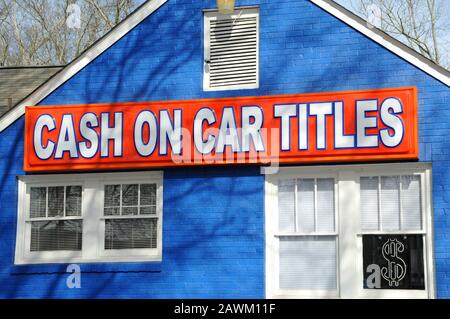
[231, 50]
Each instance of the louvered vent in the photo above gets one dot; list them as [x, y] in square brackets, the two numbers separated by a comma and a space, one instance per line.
[231, 50]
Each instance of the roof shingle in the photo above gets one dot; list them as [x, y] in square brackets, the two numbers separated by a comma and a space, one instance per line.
[16, 83]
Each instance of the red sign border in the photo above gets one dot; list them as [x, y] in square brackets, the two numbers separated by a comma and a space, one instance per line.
[412, 155]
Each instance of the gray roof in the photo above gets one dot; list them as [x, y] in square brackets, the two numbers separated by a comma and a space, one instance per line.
[16, 83]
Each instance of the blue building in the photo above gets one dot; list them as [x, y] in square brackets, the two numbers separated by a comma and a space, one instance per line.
[363, 217]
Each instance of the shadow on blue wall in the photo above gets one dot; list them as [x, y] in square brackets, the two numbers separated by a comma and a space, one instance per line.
[214, 217]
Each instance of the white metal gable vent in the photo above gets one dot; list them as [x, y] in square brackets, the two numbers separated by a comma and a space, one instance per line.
[231, 50]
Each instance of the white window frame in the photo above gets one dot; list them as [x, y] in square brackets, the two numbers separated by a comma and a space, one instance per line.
[214, 15]
[126, 253]
[349, 238]
[92, 216]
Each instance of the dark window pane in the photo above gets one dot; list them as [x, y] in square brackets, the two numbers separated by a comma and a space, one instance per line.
[131, 233]
[393, 262]
[130, 195]
[38, 202]
[56, 201]
[129, 211]
[56, 235]
[112, 196]
[112, 211]
[148, 194]
[148, 210]
[73, 201]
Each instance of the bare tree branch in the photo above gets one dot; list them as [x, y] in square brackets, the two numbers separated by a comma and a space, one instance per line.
[36, 32]
[418, 23]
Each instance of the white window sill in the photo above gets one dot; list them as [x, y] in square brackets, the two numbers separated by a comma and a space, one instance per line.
[101, 267]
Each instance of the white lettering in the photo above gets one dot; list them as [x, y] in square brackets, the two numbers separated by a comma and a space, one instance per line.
[67, 141]
[320, 111]
[170, 133]
[43, 152]
[204, 114]
[149, 119]
[285, 112]
[87, 123]
[392, 121]
[364, 122]
[341, 140]
[111, 133]
[303, 127]
[228, 135]
[252, 130]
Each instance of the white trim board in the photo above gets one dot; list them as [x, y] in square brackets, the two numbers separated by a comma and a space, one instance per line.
[83, 60]
[385, 40]
[149, 7]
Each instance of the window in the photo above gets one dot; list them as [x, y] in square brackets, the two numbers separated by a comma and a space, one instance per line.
[390, 203]
[391, 225]
[130, 216]
[90, 218]
[350, 231]
[55, 218]
[306, 234]
[231, 50]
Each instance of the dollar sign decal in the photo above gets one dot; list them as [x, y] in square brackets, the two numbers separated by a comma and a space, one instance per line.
[396, 267]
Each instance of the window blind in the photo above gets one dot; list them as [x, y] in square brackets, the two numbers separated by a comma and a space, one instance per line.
[325, 205]
[369, 203]
[286, 205]
[55, 232]
[307, 263]
[133, 201]
[38, 202]
[55, 201]
[130, 233]
[306, 205]
[73, 200]
[411, 203]
[56, 235]
[390, 203]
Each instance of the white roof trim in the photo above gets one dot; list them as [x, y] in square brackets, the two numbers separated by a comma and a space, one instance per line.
[385, 40]
[79, 63]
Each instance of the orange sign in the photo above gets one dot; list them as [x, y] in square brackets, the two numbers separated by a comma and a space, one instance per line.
[372, 125]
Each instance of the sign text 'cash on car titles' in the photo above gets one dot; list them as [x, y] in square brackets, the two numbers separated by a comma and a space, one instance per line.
[354, 126]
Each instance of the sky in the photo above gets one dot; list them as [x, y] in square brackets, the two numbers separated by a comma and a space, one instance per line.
[444, 38]
[446, 16]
